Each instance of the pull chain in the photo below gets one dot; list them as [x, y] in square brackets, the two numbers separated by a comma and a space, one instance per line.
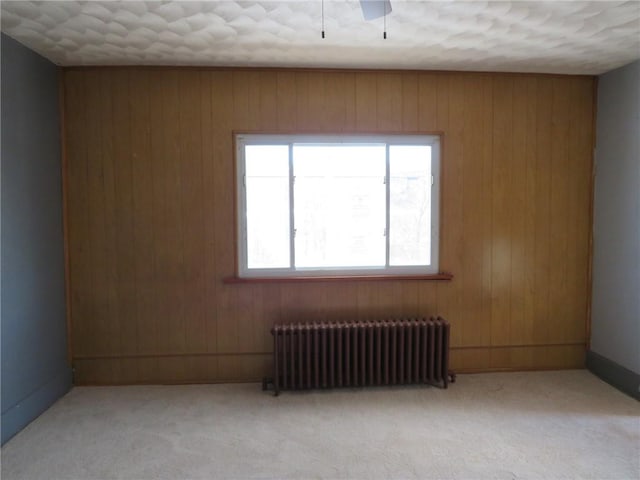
[322, 18]
[384, 34]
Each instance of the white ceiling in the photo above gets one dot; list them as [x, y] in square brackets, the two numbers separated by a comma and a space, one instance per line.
[519, 36]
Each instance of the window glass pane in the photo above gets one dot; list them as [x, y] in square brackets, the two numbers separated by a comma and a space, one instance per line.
[339, 205]
[410, 205]
[267, 190]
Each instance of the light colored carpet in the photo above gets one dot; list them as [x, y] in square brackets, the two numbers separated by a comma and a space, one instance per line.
[510, 425]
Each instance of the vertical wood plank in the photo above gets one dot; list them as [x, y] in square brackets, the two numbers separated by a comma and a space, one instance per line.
[350, 101]
[543, 315]
[157, 100]
[409, 96]
[173, 240]
[336, 99]
[451, 116]
[124, 280]
[427, 102]
[502, 178]
[78, 211]
[450, 154]
[100, 333]
[530, 208]
[558, 223]
[286, 84]
[146, 280]
[268, 100]
[247, 112]
[210, 206]
[192, 213]
[473, 330]
[317, 92]
[487, 127]
[147, 302]
[226, 94]
[366, 102]
[389, 102]
[108, 277]
[518, 331]
[304, 114]
[581, 137]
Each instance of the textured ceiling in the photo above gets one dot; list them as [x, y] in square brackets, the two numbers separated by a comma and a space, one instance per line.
[519, 36]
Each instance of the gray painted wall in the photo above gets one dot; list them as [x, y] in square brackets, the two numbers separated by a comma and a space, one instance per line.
[33, 332]
[615, 317]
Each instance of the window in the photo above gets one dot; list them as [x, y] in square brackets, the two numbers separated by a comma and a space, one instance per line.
[311, 205]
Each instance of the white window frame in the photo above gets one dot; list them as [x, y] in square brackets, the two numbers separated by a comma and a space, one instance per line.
[242, 140]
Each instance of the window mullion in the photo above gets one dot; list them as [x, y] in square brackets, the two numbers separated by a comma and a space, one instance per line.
[242, 198]
[387, 233]
[244, 226]
[292, 229]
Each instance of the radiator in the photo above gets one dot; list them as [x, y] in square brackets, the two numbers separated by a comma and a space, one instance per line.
[358, 354]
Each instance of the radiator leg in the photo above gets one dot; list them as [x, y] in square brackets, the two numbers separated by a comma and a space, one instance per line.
[452, 376]
[276, 370]
[265, 386]
[265, 383]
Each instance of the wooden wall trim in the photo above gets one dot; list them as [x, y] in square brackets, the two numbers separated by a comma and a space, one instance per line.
[65, 213]
[210, 368]
[165, 355]
[201, 68]
[592, 192]
[339, 278]
[209, 354]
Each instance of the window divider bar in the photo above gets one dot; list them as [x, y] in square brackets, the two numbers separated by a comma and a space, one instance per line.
[292, 229]
[242, 201]
[387, 232]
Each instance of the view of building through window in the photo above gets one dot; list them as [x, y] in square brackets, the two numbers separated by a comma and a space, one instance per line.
[410, 204]
[339, 205]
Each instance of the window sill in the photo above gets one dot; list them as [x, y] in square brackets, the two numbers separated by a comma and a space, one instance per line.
[442, 276]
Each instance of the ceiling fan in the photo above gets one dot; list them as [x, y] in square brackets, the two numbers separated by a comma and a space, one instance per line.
[372, 9]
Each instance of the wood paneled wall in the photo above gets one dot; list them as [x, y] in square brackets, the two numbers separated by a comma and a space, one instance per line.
[150, 180]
